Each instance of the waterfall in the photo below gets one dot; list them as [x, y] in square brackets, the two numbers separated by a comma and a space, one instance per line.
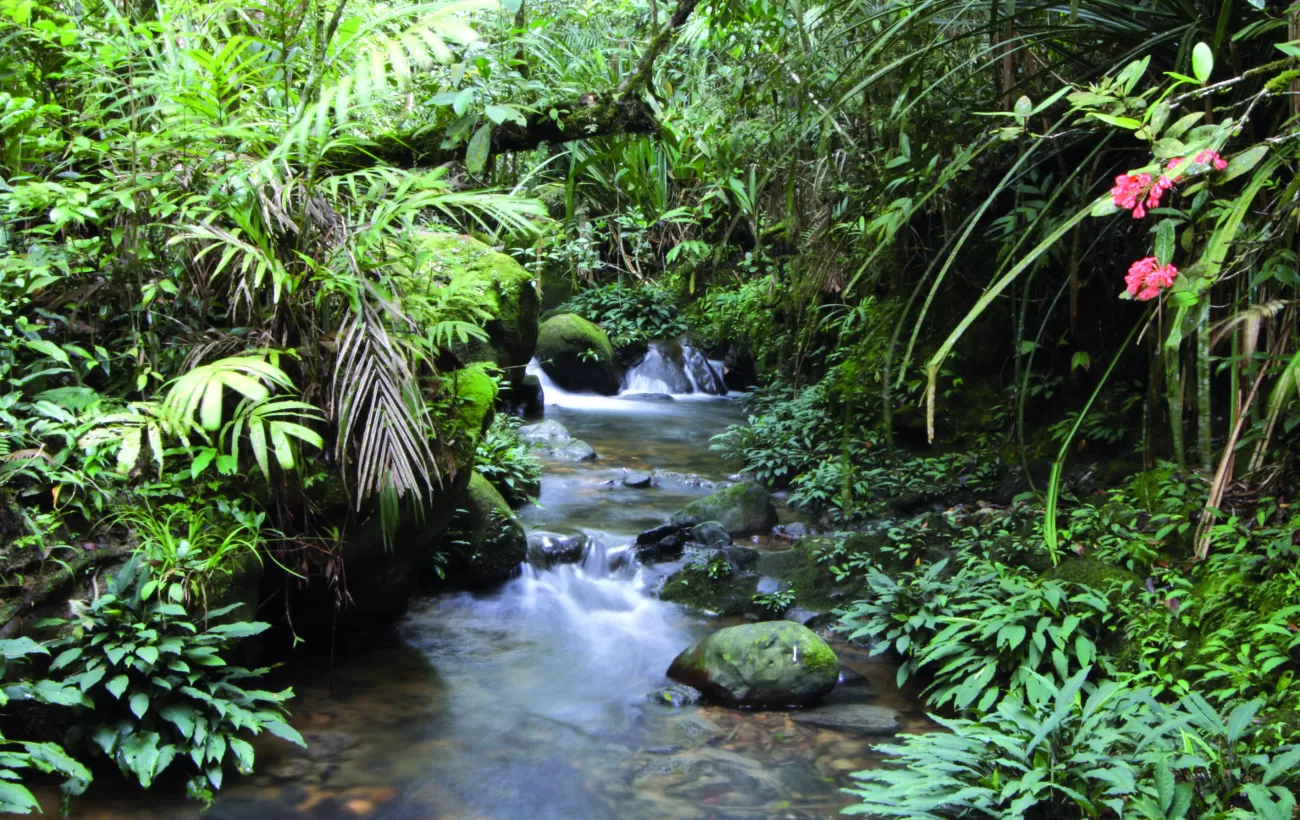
[675, 368]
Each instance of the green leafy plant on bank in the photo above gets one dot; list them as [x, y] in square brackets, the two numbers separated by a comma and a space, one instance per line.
[504, 459]
[19, 757]
[629, 313]
[1087, 751]
[158, 688]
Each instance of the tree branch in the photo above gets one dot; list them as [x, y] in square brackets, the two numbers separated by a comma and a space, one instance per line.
[624, 111]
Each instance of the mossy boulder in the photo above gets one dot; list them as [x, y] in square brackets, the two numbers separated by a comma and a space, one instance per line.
[1105, 578]
[725, 594]
[495, 282]
[488, 542]
[741, 509]
[769, 665]
[577, 354]
[810, 579]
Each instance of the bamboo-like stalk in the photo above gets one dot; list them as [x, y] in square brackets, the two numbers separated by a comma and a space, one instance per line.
[1174, 398]
[1204, 423]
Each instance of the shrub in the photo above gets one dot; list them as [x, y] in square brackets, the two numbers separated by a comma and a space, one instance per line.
[1086, 751]
[629, 314]
[505, 460]
[16, 756]
[160, 687]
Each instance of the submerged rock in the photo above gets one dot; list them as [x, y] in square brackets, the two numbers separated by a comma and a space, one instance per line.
[544, 432]
[577, 355]
[571, 450]
[741, 509]
[675, 696]
[638, 481]
[774, 664]
[859, 718]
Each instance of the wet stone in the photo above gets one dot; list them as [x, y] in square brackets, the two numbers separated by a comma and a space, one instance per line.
[860, 718]
[710, 534]
[326, 745]
[675, 696]
[637, 481]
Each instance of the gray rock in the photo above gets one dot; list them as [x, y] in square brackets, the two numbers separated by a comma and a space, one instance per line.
[767, 585]
[575, 450]
[549, 431]
[807, 617]
[794, 530]
[637, 481]
[654, 534]
[710, 534]
[849, 679]
[648, 396]
[858, 718]
[742, 558]
[675, 696]
[669, 546]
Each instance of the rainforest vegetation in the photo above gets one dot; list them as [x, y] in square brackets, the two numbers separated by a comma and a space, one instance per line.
[1011, 287]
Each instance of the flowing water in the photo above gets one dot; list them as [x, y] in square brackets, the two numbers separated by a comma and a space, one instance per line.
[530, 700]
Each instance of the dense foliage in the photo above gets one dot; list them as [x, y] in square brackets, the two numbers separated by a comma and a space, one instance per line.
[1030, 262]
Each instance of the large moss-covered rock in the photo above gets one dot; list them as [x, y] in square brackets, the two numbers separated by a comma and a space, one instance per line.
[495, 281]
[490, 541]
[774, 664]
[577, 354]
[741, 509]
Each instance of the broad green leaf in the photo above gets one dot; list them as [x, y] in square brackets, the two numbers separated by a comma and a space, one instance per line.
[480, 144]
[139, 704]
[117, 685]
[1202, 62]
[1166, 238]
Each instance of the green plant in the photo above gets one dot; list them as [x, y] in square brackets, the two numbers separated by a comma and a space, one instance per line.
[629, 313]
[1086, 751]
[774, 603]
[160, 686]
[507, 461]
[16, 756]
[718, 567]
[188, 550]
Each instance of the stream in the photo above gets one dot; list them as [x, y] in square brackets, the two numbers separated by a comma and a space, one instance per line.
[530, 700]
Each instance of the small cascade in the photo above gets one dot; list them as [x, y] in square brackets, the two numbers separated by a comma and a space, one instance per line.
[661, 371]
[675, 368]
[704, 373]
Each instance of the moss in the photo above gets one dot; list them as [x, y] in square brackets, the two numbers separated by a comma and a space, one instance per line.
[504, 289]
[1098, 575]
[496, 543]
[569, 330]
[577, 354]
[821, 656]
[741, 509]
[811, 582]
[691, 586]
[477, 391]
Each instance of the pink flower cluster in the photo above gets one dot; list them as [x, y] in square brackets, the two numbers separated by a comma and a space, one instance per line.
[1137, 193]
[1204, 158]
[1147, 276]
